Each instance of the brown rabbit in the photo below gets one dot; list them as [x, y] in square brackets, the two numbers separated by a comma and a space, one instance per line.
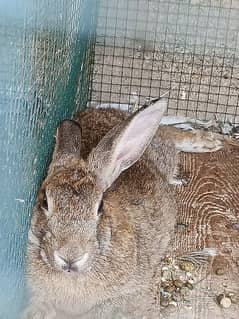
[105, 214]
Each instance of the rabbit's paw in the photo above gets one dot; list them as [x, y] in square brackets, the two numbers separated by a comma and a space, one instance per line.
[200, 142]
[209, 142]
[34, 312]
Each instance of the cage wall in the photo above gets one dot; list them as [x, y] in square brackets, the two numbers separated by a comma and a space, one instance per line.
[46, 50]
[146, 47]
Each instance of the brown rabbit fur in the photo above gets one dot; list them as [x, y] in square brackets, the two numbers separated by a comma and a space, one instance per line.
[104, 216]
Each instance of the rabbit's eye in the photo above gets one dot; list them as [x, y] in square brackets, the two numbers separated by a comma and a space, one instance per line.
[44, 202]
[101, 209]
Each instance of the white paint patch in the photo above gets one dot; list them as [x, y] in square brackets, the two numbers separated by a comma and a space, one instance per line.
[20, 200]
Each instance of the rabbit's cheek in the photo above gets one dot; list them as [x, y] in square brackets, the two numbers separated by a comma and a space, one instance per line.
[104, 238]
[46, 240]
[33, 239]
[47, 247]
[44, 256]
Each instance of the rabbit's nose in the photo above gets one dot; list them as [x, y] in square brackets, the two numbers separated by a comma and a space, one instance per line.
[69, 265]
[78, 263]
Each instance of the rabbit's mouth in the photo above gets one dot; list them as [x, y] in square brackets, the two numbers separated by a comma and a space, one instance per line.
[68, 265]
[60, 263]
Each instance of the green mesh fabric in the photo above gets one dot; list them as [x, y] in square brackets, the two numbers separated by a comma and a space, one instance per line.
[46, 51]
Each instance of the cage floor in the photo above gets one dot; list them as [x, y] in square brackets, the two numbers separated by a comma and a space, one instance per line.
[209, 214]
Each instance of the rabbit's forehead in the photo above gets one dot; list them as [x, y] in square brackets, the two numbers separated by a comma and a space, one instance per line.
[67, 202]
[75, 184]
[73, 195]
[74, 177]
[77, 226]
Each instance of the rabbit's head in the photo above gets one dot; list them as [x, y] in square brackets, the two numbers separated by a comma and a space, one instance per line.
[69, 211]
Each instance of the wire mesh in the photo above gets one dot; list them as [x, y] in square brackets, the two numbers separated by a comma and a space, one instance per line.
[45, 52]
[145, 47]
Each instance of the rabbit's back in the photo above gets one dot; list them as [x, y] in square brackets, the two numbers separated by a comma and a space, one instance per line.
[161, 155]
[141, 192]
[95, 123]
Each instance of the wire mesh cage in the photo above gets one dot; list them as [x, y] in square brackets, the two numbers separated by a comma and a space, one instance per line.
[46, 53]
[53, 63]
[189, 47]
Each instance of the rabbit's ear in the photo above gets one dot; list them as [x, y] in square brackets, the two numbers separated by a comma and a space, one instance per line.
[68, 139]
[123, 145]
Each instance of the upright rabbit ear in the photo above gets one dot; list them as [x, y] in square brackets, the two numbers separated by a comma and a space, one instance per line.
[68, 140]
[123, 145]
